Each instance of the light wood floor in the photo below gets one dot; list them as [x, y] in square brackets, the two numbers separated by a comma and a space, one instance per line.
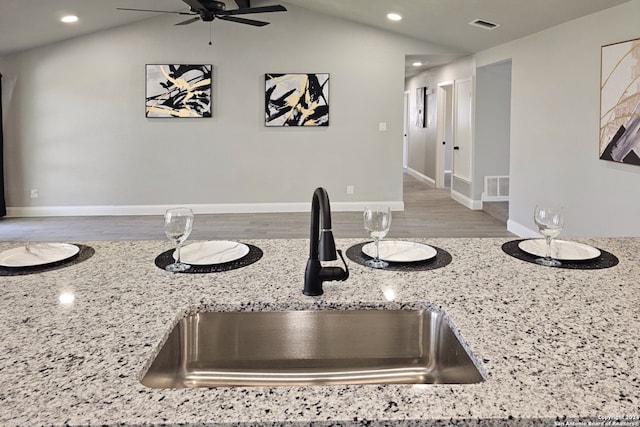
[428, 213]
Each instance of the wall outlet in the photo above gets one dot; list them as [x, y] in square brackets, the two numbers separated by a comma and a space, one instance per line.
[34, 194]
[351, 189]
[382, 126]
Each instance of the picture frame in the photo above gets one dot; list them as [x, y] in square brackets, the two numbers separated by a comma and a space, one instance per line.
[178, 91]
[620, 102]
[296, 99]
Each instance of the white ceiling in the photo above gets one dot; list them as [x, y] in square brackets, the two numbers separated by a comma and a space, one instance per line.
[26, 24]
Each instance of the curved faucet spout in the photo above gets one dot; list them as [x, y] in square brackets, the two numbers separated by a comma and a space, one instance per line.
[322, 247]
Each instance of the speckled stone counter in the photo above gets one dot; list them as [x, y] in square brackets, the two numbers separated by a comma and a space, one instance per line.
[553, 343]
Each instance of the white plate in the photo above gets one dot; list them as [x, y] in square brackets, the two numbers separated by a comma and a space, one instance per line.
[37, 254]
[400, 251]
[560, 249]
[212, 252]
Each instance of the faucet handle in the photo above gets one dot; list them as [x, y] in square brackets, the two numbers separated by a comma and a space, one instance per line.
[335, 273]
[346, 267]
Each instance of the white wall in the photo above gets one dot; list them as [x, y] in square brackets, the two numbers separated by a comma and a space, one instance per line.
[75, 127]
[555, 125]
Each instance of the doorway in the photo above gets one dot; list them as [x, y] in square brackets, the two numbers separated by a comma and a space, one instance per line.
[493, 138]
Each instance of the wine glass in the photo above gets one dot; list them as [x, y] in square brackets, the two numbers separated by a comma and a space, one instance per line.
[177, 226]
[377, 222]
[550, 222]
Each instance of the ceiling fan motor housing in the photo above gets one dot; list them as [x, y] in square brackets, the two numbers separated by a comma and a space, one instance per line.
[213, 5]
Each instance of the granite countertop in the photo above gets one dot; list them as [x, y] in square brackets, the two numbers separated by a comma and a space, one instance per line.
[554, 343]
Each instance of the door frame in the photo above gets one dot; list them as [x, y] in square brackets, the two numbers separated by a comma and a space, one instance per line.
[441, 120]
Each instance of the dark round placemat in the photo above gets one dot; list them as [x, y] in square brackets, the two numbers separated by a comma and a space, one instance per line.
[605, 260]
[442, 258]
[84, 254]
[255, 253]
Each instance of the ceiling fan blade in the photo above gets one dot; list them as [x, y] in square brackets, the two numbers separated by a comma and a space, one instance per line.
[263, 9]
[243, 4]
[189, 21]
[243, 21]
[158, 11]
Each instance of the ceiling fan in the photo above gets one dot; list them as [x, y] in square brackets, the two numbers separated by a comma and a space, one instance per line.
[208, 10]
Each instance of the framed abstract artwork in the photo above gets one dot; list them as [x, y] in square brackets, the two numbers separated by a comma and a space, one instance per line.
[296, 99]
[620, 102]
[178, 90]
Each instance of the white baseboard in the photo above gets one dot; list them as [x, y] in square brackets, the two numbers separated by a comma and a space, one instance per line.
[421, 177]
[396, 206]
[475, 205]
[520, 230]
[119, 210]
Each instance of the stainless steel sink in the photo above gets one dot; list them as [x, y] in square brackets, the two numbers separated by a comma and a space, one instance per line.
[319, 347]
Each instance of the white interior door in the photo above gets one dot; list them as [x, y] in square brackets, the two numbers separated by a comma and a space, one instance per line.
[405, 133]
[444, 132]
[462, 130]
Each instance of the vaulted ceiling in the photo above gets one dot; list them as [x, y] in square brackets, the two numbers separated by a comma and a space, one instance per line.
[25, 24]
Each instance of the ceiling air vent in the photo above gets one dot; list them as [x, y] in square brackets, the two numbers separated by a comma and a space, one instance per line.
[484, 24]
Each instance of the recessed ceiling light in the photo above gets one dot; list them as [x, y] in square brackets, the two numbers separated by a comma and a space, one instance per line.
[417, 64]
[394, 16]
[69, 19]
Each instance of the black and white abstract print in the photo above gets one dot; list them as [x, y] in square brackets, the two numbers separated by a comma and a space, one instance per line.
[297, 99]
[620, 102]
[178, 90]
